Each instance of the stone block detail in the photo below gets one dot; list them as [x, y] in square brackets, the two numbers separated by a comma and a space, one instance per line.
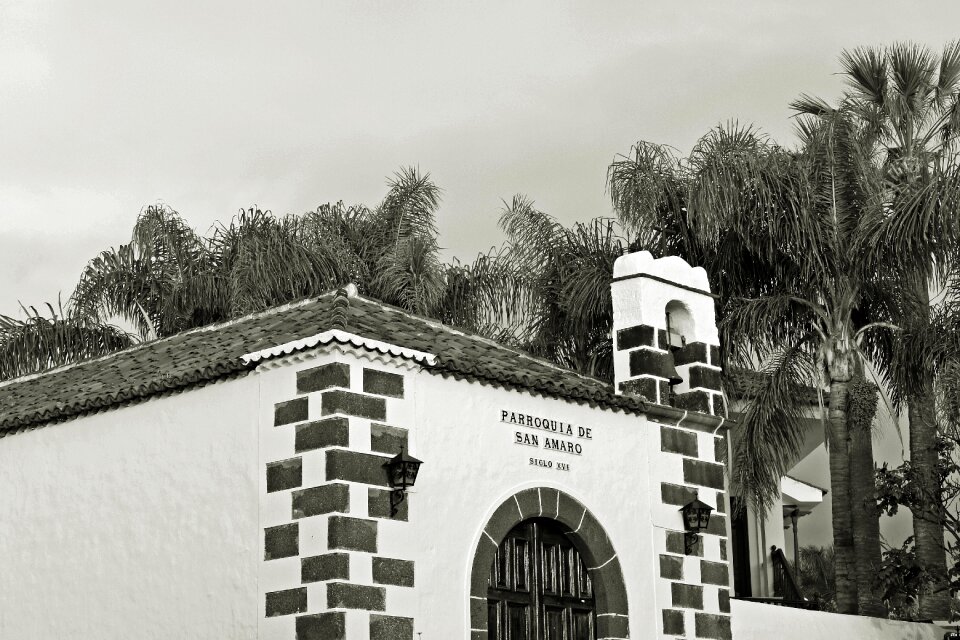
[690, 353]
[387, 439]
[285, 474]
[721, 502]
[334, 374]
[529, 502]
[329, 432]
[718, 525]
[672, 622]
[352, 534]
[675, 544]
[284, 603]
[675, 494]
[354, 466]
[712, 626]
[704, 377]
[719, 404]
[651, 388]
[714, 573]
[645, 387]
[723, 549]
[647, 361]
[613, 626]
[315, 501]
[281, 542]
[329, 566]
[322, 626]
[705, 474]
[378, 505]
[390, 628]
[677, 441]
[686, 596]
[666, 392]
[353, 404]
[393, 572]
[715, 355]
[723, 597]
[639, 336]
[671, 567]
[290, 411]
[344, 595]
[610, 574]
[382, 383]
[693, 401]
[720, 449]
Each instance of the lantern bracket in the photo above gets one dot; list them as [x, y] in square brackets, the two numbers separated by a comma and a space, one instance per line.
[696, 518]
[402, 470]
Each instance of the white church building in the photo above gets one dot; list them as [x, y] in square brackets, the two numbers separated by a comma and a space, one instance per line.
[235, 481]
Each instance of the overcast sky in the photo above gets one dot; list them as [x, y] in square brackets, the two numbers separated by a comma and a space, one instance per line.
[213, 107]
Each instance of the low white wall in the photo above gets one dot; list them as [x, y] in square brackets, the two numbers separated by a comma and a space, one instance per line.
[135, 523]
[755, 621]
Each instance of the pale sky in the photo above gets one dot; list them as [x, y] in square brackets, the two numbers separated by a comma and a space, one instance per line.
[213, 107]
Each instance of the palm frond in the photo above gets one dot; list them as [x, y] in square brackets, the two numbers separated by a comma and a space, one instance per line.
[409, 207]
[770, 426]
[647, 188]
[811, 105]
[948, 77]
[41, 341]
[866, 71]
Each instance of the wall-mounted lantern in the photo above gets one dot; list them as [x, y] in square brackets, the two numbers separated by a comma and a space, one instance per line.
[696, 518]
[402, 472]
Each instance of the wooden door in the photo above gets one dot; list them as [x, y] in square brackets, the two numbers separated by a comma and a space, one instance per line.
[539, 588]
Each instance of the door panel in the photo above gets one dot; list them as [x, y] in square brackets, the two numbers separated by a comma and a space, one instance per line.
[553, 624]
[539, 588]
[582, 626]
[518, 616]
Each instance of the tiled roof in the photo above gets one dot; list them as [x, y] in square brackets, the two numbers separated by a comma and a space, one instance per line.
[213, 353]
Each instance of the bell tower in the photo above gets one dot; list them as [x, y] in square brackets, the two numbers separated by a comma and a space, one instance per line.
[665, 341]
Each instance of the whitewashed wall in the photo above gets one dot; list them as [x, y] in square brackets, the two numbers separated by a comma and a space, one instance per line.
[134, 523]
[471, 465]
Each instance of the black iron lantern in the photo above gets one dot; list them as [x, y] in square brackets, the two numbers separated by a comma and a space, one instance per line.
[402, 472]
[696, 518]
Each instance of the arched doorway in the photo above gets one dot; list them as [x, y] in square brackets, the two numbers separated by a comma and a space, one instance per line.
[577, 528]
[539, 586]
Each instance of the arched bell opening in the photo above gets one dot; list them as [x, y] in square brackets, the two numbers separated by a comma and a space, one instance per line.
[679, 324]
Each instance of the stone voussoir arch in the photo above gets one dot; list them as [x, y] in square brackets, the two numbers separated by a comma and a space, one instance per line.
[587, 534]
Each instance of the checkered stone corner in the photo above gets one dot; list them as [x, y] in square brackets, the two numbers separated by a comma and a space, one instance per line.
[324, 496]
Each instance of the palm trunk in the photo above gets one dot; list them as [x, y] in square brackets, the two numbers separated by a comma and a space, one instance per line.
[863, 497]
[927, 527]
[839, 443]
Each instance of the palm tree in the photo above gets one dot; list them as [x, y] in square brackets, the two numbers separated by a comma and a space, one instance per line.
[781, 229]
[559, 281]
[161, 282]
[908, 99]
[168, 278]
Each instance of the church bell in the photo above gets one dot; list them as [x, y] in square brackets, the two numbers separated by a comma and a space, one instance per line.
[670, 370]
